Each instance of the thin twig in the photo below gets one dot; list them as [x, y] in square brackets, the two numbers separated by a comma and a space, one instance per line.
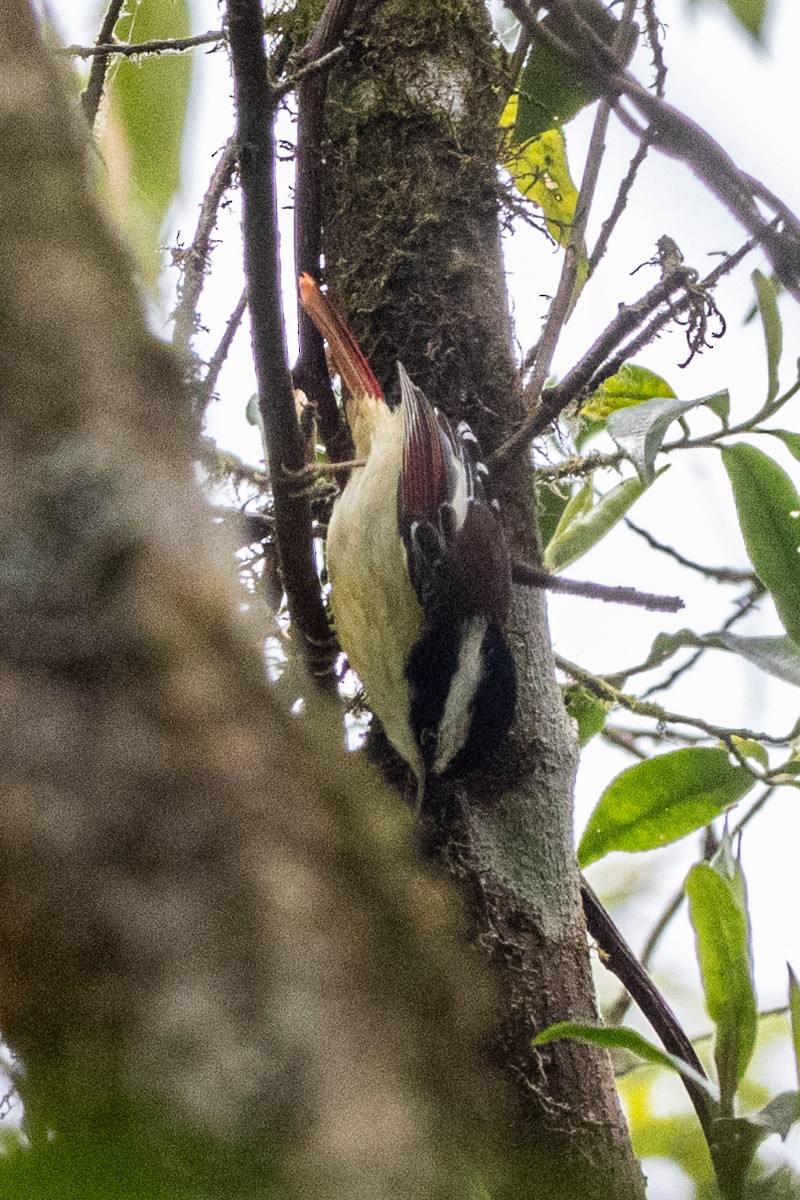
[93, 93]
[217, 360]
[623, 739]
[674, 134]
[651, 25]
[578, 466]
[194, 261]
[745, 606]
[720, 574]
[515, 65]
[317, 66]
[554, 400]
[576, 245]
[659, 657]
[645, 142]
[255, 112]
[106, 49]
[606, 691]
[595, 365]
[623, 192]
[531, 576]
[575, 249]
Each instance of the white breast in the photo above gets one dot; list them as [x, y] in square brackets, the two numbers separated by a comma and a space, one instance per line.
[375, 609]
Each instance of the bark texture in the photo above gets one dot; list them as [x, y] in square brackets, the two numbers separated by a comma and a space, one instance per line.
[215, 949]
[413, 253]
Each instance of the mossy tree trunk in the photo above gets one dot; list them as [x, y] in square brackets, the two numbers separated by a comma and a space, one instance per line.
[411, 239]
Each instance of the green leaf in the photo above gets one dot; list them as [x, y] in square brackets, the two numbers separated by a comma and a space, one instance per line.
[769, 515]
[551, 90]
[778, 656]
[619, 1037]
[717, 897]
[639, 431]
[550, 505]
[660, 800]
[149, 104]
[584, 525]
[588, 710]
[794, 1016]
[630, 385]
[750, 748]
[720, 404]
[790, 440]
[766, 294]
[733, 1142]
[782, 1112]
[750, 15]
[577, 506]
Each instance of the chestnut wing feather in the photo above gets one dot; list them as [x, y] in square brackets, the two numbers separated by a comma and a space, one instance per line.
[457, 556]
[423, 477]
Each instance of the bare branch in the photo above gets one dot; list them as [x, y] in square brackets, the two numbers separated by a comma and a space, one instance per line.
[674, 134]
[606, 691]
[720, 574]
[746, 605]
[255, 112]
[194, 261]
[531, 576]
[595, 366]
[106, 48]
[653, 30]
[91, 97]
[620, 203]
[618, 957]
[311, 369]
[217, 359]
[576, 246]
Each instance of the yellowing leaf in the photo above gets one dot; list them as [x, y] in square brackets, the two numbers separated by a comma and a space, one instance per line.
[630, 385]
[540, 171]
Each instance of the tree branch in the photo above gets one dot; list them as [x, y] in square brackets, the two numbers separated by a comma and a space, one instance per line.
[721, 574]
[255, 112]
[194, 261]
[606, 691]
[93, 93]
[595, 366]
[576, 245]
[675, 134]
[217, 360]
[531, 576]
[617, 956]
[105, 48]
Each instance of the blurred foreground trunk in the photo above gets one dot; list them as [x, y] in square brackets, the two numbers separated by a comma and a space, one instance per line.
[220, 971]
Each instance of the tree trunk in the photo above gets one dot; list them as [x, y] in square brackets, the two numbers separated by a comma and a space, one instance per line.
[413, 252]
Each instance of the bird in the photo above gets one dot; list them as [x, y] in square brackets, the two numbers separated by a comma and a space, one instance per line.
[419, 571]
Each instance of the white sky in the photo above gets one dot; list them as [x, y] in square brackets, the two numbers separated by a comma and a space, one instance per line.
[749, 101]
